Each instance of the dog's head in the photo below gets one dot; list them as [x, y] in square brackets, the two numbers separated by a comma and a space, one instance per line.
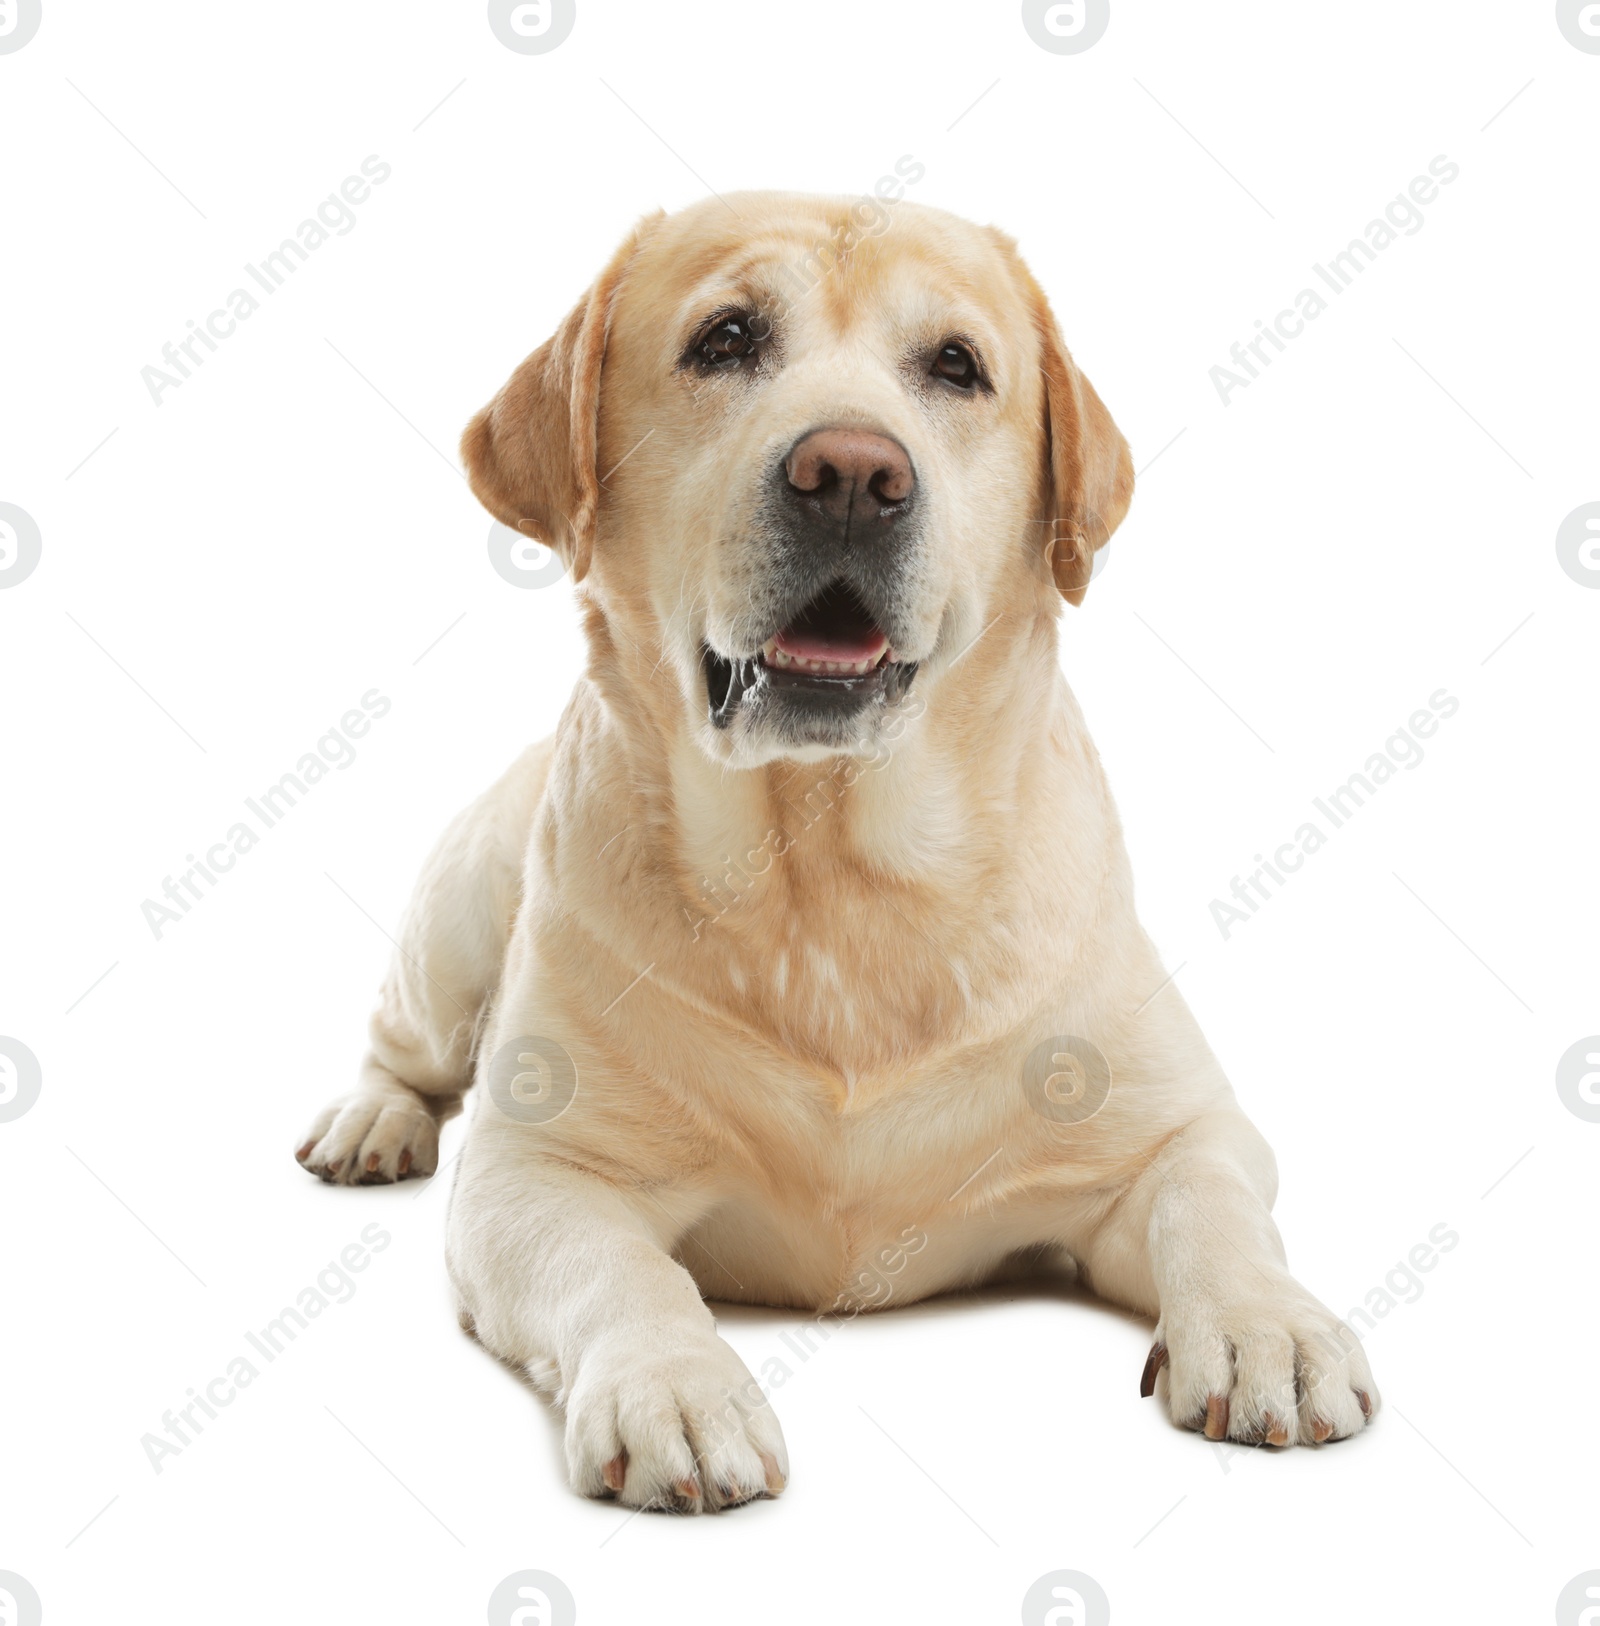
[806, 450]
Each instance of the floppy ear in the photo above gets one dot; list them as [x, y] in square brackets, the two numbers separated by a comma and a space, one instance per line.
[1090, 469]
[531, 453]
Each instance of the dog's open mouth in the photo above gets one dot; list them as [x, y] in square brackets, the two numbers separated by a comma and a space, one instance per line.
[834, 636]
[831, 658]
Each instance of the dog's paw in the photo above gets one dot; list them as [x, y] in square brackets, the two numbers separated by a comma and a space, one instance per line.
[676, 1424]
[370, 1139]
[1276, 1370]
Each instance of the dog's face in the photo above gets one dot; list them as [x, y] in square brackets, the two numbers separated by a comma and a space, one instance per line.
[811, 448]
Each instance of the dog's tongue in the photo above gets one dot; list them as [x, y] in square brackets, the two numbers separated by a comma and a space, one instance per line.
[853, 647]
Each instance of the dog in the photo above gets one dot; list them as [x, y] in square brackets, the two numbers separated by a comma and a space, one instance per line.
[800, 967]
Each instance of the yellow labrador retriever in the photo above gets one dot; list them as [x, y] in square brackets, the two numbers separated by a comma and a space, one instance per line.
[801, 966]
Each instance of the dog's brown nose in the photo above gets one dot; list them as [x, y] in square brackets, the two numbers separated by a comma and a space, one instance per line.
[844, 469]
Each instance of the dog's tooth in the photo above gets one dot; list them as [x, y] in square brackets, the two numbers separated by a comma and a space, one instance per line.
[813, 663]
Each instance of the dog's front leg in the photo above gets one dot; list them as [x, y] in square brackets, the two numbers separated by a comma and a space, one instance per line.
[1242, 1350]
[569, 1278]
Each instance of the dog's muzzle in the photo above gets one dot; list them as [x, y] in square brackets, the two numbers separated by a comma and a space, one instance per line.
[841, 508]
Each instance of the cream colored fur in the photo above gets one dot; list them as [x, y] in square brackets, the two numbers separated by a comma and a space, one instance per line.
[819, 1060]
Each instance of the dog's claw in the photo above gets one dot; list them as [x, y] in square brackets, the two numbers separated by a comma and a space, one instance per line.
[1216, 1427]
[1157, 1359]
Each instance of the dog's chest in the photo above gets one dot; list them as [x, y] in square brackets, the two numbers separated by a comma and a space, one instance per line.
[842, 1201]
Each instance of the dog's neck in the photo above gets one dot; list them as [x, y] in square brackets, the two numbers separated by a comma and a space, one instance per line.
[850, 879]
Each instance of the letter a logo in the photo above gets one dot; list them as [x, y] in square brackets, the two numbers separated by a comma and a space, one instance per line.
[536, 1613]
[1069, 1611]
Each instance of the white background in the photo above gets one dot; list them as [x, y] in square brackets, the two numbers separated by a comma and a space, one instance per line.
[232, 569]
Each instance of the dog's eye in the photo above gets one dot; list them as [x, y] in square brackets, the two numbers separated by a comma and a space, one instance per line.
[726, 344]
[956, 364]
